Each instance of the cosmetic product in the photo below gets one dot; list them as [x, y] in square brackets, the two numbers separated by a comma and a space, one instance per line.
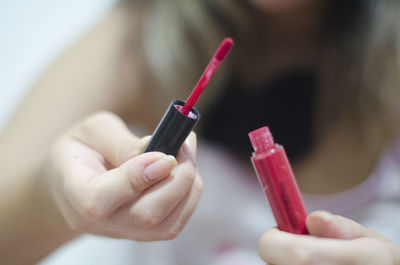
[181, 117]
[277, 180]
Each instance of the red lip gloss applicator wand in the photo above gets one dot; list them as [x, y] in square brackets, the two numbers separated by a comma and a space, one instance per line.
[181, 117]
[277, 180]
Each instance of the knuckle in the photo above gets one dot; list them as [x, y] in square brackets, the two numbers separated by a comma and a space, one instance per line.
[194, 162]
[146, 218]
[189, 172]
[92, 209]
[136, 181]
[199, 185]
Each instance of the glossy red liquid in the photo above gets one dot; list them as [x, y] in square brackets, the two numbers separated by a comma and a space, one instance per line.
[220, 55]
[277, 180]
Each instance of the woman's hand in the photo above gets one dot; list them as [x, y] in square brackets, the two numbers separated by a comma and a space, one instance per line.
[333, 240]
[103, 184]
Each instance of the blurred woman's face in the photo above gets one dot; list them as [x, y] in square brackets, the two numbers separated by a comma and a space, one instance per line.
[277, 6]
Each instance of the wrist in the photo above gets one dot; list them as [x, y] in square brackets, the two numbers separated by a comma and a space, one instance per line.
[35, 225]
[47, 210]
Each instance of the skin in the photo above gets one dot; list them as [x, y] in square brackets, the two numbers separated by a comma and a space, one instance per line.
[83, 172]
[333, 239]
[103, 184]
[68, 168]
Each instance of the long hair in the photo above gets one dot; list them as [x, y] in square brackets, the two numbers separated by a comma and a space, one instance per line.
[358, 67]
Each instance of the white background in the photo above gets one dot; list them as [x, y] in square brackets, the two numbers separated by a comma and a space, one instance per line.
[32, 34]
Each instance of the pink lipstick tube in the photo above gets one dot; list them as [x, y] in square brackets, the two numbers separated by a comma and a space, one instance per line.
[277, 180]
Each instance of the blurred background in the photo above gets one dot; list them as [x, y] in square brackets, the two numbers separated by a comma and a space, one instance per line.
[32, 35]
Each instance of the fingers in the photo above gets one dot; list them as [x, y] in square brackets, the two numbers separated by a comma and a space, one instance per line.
[339, 241]
[279, 247]
[158, 201]
[97, 196]
[109, 187]
[190, 146]
[165, 229]
[108, 134]
[174, 223]
[325, 224]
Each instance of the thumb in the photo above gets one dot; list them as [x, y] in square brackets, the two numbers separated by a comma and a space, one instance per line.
[100, 196]
[325, 224]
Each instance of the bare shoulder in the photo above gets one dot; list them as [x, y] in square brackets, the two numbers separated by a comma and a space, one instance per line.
[84, 80]
[89, 69]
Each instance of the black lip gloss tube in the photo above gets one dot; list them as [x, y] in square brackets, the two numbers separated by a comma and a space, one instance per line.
[181, 116]
[173, 129]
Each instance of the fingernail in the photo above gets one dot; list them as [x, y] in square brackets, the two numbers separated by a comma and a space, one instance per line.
[327, 217]
[138, 147]
[191, 143]
[143, 142]
[160, 168]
